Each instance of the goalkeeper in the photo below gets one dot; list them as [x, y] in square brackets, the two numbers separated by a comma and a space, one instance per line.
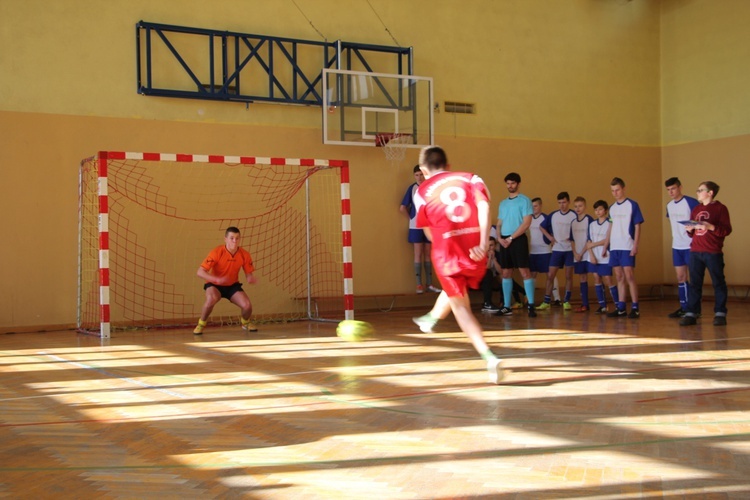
[221, 270]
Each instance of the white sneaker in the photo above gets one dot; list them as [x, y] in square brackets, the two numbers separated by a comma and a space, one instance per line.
[495, 369]
[425, 323]
[434, 289]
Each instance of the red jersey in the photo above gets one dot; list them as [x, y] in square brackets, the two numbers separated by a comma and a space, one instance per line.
[222, 263]
[447, 204]
[710, 241]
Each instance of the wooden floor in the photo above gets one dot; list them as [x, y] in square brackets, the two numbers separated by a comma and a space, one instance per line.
[595, 408]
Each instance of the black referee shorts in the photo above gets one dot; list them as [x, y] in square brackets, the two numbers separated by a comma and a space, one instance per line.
[516, 255]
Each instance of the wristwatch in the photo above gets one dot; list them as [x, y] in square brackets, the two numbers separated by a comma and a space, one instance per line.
[510, 238]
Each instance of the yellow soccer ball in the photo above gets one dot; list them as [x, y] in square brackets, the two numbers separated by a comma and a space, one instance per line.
[354, 331]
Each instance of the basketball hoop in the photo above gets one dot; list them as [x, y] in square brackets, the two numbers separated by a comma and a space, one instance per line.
[394, 145]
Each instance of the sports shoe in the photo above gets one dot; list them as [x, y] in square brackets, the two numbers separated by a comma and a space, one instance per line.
[556, 303]
[720, 320]
[425, 323]
[679, 313]
[532, 312]
[634, 314]
[420, 289]
[517, 305]
[198, 330]
[495, 369]
[543, 306]
[249, 327]
[601, 310]
[582, 309]
[433, 289]
[617, 313]
[688, 320]
[490, 308]
[567, 306]
[504, 312]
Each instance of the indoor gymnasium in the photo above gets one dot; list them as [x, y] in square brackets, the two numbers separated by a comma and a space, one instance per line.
[227, 274]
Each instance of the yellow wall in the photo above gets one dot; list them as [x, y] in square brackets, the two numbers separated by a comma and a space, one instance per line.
[578, 70]
[705, 48]
[567, 93]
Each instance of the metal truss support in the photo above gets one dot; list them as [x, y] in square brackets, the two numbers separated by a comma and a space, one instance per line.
[196, 63]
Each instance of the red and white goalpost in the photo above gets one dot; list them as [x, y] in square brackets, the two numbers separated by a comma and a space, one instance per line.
[147, 221]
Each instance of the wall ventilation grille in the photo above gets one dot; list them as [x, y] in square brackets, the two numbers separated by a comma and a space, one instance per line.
[461, 108]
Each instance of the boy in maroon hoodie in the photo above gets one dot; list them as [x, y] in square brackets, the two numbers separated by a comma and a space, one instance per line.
[709, 224]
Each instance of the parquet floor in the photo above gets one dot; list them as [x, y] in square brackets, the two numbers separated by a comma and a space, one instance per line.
[595, 408]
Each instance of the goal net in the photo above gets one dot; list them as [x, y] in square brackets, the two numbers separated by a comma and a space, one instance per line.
[147, 221]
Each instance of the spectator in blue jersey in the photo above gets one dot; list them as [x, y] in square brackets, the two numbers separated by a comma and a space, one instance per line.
[579, 229]
[540, 249]
[625, 236]
[678, 210]
[557, 229]
[417, 237]
[598, 247]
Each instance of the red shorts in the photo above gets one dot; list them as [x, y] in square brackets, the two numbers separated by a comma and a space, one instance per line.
[456, 285]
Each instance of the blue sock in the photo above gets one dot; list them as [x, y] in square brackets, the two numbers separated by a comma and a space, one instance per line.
[615, 294]
[529, 286]
[682, 292]
[600, 295]
[547, 299]
[507, 291]
[620, 306]
[635, 305]
[568, 293]
[585, 294]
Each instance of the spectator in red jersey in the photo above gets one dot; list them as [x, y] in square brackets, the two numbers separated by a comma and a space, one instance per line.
[709, 224]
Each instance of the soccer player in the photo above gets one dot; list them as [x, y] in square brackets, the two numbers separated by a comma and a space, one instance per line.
[579, 229]
[557, 229]
[598, 247]
[454, 210]
[679, 210]
[513, 219]
[540, 250]
[221, 271]
[706, 252]
[625, 235]
[417, 236]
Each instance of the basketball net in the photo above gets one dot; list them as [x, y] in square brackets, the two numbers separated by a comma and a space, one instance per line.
[394, 146]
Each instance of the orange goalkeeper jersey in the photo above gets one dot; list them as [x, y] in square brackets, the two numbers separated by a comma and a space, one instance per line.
[222, 263]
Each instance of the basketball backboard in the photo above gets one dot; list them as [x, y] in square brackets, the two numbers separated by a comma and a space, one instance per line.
[360, 106]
